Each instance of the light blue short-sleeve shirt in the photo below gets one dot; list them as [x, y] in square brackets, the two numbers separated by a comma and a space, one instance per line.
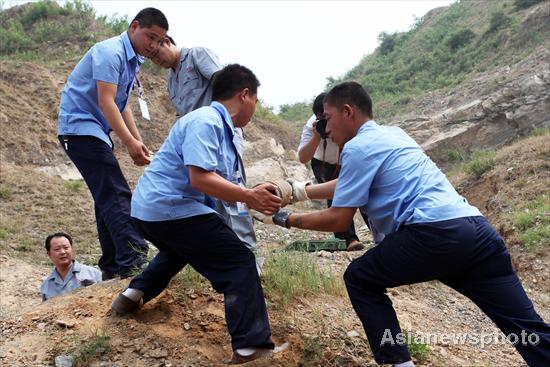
[203, 138]
[113, 61]
[79, 275]
[387, 175]
[189, 85]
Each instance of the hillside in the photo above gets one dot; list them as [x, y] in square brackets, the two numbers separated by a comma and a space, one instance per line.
[489, 130]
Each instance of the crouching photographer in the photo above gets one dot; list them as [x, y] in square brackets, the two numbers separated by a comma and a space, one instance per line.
[317, 147]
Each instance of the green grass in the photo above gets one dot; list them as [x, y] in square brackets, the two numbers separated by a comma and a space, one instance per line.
[288, 276]
[90, 349]
[5, 192]
[454, 155]
[532, 221]
[4, 233]
[417, 349]
[480, 162]
[312, 354]
[74, 185]
[540, 131]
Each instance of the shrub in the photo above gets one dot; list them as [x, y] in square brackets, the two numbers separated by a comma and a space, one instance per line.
[498, 20]
[40, 10]
[460, 38]
[13, 39]
[299, 111]
[387, 42]
[524, 4]
[45, 30]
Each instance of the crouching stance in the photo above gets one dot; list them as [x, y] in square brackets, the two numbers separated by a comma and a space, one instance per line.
[174, 207]
[424, 229]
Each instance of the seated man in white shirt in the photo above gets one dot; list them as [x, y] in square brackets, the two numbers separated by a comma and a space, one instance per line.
[324, 154]
[67, 274]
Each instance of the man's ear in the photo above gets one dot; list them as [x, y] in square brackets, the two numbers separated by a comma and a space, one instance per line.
[133, 26]
[348, 111]
[244, 93]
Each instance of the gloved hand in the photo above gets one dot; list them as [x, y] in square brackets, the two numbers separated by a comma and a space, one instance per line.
[298, 190]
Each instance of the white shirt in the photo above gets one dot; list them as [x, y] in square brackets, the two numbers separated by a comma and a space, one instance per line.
[331, 153]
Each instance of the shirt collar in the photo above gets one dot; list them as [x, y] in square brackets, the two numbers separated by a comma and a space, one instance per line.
[366, 125]
[226, 116]
[130, 52]
[75, 268]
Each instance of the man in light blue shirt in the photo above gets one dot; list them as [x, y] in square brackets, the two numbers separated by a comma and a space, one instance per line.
[424, 229]
[94, 102]
[68, 274]
[174, 206]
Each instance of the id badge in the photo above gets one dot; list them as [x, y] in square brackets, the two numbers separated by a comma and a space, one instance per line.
[144, 109]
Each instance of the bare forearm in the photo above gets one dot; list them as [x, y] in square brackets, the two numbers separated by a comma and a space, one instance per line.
[130, 122]
[114, 117]
[327, 220]
[214, 185]
[321, 191]
[306, 153]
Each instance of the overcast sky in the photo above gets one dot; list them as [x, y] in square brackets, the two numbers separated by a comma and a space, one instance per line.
[292, 46]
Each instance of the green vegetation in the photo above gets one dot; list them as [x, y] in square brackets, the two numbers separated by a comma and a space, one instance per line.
[480, 162]
[454, 156]
[417, 349]
[5, 192]
[90, 349]
[532, 220]
[4, 233]
[524, 4]
[299, 111]
[24, 29]
[265, 112]
[288, 276]
[74, 185]
[443, 49]
[540, 131]
[312, 355]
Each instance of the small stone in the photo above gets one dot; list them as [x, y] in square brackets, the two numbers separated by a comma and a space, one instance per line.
[193, 296]
[63, 361]
[352, 334]
[65, 323]
[186, 326]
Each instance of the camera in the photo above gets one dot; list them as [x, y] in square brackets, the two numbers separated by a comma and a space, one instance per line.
[321, 127]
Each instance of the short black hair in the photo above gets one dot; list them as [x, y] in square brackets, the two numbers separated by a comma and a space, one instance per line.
[171, 40]
[351, 93]
[318, 104]
[232, 79]
[48, 243]
[149, 17]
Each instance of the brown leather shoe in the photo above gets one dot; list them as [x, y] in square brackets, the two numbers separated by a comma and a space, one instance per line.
[262, 354]
[355, 245]
[123, 305]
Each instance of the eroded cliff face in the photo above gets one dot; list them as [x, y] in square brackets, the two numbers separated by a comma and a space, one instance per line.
[485, 113]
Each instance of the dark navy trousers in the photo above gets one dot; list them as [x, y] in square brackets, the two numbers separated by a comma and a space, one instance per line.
[123, 247]
[466, 254]
[211, 247]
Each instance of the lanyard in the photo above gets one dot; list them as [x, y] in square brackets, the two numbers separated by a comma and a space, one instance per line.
[140, 90]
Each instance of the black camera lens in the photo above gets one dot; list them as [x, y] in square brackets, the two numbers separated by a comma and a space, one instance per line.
[321, 127]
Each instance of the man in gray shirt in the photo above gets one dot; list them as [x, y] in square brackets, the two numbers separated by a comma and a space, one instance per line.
[68, 274]
[191, 70]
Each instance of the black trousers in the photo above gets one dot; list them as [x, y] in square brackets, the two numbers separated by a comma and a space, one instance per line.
[212, 248]
[467, 255]
[123, 247]
[324, 172]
